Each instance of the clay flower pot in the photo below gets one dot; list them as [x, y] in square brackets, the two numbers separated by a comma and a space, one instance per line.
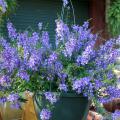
[94, 116]
[113, 105]
[7, 113]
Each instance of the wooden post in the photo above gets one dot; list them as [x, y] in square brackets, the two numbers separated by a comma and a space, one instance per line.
[98, 18]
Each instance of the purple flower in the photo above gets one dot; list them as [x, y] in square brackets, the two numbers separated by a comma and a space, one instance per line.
[87, 54]
[40, 26]
[98, 84]
[35, 60]
[110, 94]
[65, 3]
[11, 31]
[3, 4]
[45, 114]
[75, 28]
[52, 58]
[23, 39]
[23, 75]
[3, 100]
[116, 115]
[51, 97]
[4, 80]
[62, 32]
[106, 56]
[110, 75]
[85, 25]
[13, 98]
[9, 58]
[58, 67]
[62, 76]
[83, 86]
[15, 105]
[45, 39]
[63, 87]
[4, 43]
[113, 92]
[34, 38]
[70, 46]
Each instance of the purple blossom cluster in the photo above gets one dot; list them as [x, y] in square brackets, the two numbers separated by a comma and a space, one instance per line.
[65, 3]
[109, 93]
[79, 38]
[51, 97]
[23, 53]
[34, 60]
[45, 114]
[87, 54]
[4, 80]
[70, 46]
[106, 55]
[45, 39]
[11, 31]
[52, 58]
[74, 65]
[15, 105]
[40, 26]
[113, 92]
[84, 86]
[63, 87]
[14, 100]
[116, 115]
[23, 75]
[62, 32]
[3, 100]
[3, 4]
[13, 97]
[9, 58]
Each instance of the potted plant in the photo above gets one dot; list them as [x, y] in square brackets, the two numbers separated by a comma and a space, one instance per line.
[64, 79]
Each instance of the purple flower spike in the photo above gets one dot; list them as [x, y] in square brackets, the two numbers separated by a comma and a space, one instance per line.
[40, 26]
[45, 39]
[116, 115]
[52, 58]
[65, 3]
[51, 97]
[11, 31]
[15, 106]
[3, 4]
[4, 80]
[45, 114]
[23, 75]
[13, 98]
[63, 87]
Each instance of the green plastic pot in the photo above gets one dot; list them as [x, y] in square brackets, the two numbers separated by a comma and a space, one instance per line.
[70, 106]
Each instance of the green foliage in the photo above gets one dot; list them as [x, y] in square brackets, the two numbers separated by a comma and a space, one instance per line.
[113, 17]
[11, 6]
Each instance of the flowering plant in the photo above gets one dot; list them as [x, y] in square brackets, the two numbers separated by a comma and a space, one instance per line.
[7, 6]
[28, 62]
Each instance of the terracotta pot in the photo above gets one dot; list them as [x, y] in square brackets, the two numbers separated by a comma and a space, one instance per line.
[8, 113]
[94, 116]
[113, 105]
